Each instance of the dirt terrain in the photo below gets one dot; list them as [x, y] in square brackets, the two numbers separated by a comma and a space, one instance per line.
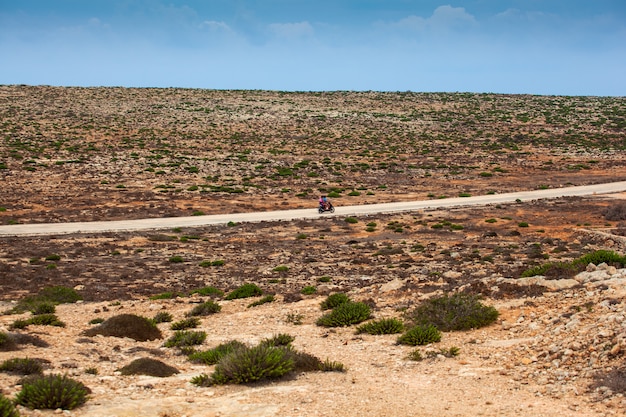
[73, 154]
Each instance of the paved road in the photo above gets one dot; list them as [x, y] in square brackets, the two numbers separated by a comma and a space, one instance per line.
[310, 213]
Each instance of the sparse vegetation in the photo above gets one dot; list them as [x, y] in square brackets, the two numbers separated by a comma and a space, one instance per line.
[345, 314]
[205, 309]
[148, 366]
[127, 325]
[188, 323]
[245, 291]
[267, 299]
[185, 338]
[458, 311]
[52, 392]
[382, 326]
[334, 300]
[21, 366]
[422, 334]
[7, 408]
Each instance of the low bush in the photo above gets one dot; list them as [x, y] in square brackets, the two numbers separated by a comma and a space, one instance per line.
[188, 323]
[46, 320]
[185, 338]
[267, 299]
[162, 317]
[148, 366]
[38, 320]
[52, 392]
[281, 339]
[205, 309]
[382, 326]
[244, 291]
[333, 300]
[168, 295]
[273, 358]
[308, 290]
[208, 291]
[21, 366]
[422, 334]
[7, 408]
[132, 326]
[44, 307]
[345, 314]
[616, 212]
[212, 356]
[454, 312]
[570, 269]
[49, 295]
[258, 363]
[6, 342]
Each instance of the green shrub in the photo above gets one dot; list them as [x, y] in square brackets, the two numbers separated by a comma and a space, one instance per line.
[52, 392]
[454, 312]
[308, 290]
[569, 269]
[19, 324]
[46, 320]
[212, 356]
[162, 317]
[324, 278]
[206, 263]
[168, 295]
[247, 365]
[39, 320]
[382, 326]
[208, 291]
[281, 268]
[351, 220]
[334, 300]
[132, 326]
[91, 371]
[176, 259]
[267, 299]
[415, 355]
[205, 309]
[21, 366]
[59, 295]
[148, 366]
[601, 256]
[245, 291]
[522, 224]
[281, 339]
[184, 338]
[422, 334]
[44, 307]
[332, 366]
[345, 314]
[188, 323]
[49, 295]
[53, 257]
[6, 342]
[7, 408]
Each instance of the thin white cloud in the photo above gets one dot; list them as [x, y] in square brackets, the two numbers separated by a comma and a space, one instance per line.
[443, 18]
[215, 26]
[292, 30]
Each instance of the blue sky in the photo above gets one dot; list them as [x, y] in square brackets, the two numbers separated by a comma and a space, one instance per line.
[502, 46]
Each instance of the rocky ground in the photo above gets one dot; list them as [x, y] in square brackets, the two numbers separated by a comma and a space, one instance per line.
[557, 348]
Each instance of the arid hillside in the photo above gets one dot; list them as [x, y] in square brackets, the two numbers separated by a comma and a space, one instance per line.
[109, 153]
[557, 347]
